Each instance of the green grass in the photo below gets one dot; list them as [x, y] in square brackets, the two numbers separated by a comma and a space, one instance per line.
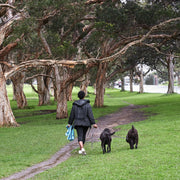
[40, 136]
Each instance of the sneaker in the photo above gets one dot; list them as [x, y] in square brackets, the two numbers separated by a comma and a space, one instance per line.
[82, 151]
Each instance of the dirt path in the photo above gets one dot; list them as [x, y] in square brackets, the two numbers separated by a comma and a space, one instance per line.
[125, 115]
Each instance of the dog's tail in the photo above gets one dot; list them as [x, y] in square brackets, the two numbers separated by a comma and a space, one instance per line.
[112, 133]
[133, 128]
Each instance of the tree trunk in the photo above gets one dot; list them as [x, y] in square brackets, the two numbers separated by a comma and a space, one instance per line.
[85, 84]
[69, 92]
[94, 85]
[122, 84]
[62, 105]
[100, 81]
[43, 85]
[141, 84]
[178, 80]
[170, 74]
[18, 84]
[61, 111]
[43, 92]
[6, 115]
[131, 80]
[54, 88]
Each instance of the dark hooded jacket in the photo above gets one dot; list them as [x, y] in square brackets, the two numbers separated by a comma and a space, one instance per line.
[81, 114]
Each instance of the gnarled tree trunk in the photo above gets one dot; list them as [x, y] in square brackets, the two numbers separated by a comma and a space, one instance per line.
[100, 81]
[18, 84]
[43, 85]
[69, 92]
[61, 111]
[43, 91]
[85, 84]
[6, 115]
[62, 105]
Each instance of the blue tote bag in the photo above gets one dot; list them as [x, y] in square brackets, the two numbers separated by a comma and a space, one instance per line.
[70, 133]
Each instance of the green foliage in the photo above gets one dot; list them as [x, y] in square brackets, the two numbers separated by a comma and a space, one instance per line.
[41, 7]
[153, 14]
[108, 27]
[65, 50]
[113, 16]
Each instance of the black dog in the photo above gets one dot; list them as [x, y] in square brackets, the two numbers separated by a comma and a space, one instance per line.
[132, 137]
[106, 140]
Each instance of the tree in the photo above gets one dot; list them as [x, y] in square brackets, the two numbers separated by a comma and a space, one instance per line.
[122, 23]
[113, 48]
[18, 83]
[7, 118]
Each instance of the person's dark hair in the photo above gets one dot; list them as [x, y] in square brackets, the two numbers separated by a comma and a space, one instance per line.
[81, 94]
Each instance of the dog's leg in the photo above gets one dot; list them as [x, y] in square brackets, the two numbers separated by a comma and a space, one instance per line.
[136, 143]
[109, 146]
[103, 147]
[131, 144]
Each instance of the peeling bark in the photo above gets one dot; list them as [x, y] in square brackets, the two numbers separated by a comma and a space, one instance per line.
[85, 84]
[69, 92]
[18, 84]
[44, 42]
[61, 111]
[6, 115]
[43, 85]
[100, 81]
[63, 79]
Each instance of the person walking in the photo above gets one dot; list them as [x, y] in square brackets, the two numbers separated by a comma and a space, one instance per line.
[81, 117]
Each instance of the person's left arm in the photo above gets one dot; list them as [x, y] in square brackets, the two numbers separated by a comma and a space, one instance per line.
[72, 115]
[91, 116]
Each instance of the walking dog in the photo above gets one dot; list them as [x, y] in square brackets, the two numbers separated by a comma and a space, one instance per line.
[132, 137]
[106, 139]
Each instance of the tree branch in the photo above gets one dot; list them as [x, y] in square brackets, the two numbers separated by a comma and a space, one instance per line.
[9, 6]
[7, 49]
[72, 64]
[158, 27]
[6, 63]
[7, 24]
[32, 77]
[93, 1]
[35, 90]
[44, 42]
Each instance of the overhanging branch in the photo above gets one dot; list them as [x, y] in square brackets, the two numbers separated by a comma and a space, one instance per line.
[72, 64]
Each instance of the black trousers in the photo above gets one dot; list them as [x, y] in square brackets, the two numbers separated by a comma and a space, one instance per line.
[81, 132]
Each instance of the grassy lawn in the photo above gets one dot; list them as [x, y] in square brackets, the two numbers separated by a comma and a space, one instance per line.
[40, 136]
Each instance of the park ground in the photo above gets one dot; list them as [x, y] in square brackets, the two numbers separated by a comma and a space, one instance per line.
[156, 117]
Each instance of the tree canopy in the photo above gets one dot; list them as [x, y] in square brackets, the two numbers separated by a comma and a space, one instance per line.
[69, 38]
